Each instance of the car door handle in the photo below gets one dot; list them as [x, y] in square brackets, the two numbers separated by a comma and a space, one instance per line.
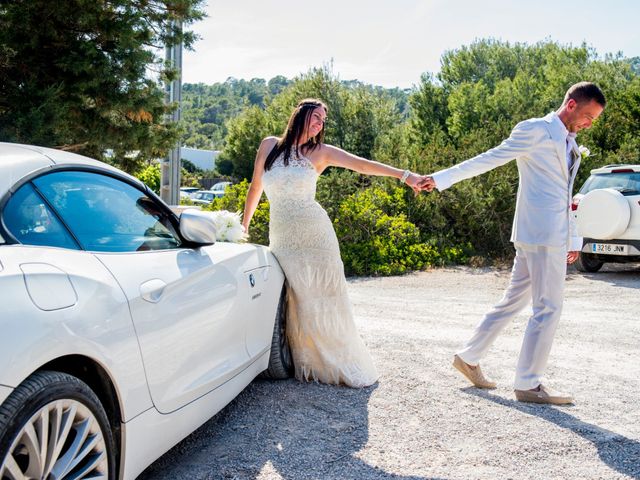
[152, 290]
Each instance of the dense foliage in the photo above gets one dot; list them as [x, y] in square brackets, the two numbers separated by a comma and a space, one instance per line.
[375, 234]
[207, 108]
[482, 91]
[74, 74]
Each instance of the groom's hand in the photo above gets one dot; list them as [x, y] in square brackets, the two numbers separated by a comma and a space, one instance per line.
[427, 183]
[572, 257]
[413, 181]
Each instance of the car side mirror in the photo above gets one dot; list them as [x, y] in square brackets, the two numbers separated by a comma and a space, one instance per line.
[197, 226]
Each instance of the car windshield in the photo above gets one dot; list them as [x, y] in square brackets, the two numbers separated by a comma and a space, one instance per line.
[204, 196]
[627, 183]
[219, 187]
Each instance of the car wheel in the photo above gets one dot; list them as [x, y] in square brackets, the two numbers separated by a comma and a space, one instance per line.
[588, 263]
[53, 426]
[280, 361]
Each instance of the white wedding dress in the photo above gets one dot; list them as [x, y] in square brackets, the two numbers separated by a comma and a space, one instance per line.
[325, 344]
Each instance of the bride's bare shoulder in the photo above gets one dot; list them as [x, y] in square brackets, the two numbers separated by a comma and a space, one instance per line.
[267, 145]
[269, 142]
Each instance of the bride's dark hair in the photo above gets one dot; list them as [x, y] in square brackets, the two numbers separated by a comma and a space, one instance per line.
[298, 122]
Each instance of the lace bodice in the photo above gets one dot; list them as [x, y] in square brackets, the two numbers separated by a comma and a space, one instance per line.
[296, 220]
[292, 186]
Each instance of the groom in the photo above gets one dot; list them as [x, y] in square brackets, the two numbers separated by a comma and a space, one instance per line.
[543, 235]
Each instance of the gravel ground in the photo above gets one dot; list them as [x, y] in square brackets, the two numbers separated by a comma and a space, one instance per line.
[422, 420]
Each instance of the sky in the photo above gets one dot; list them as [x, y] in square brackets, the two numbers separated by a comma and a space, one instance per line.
[390, 42]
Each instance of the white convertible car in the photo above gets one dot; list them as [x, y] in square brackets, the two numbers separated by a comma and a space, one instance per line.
[123, 327]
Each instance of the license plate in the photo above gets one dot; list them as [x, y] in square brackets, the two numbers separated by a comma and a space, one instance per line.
[609, 249]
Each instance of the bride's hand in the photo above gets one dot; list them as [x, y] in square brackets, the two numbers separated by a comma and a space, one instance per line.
[413, 180]
[427, 183]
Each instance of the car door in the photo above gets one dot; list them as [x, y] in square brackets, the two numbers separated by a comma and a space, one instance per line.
[181, 300]
[58, 300]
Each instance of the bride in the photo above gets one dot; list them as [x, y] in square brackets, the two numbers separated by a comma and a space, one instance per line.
[325, 344]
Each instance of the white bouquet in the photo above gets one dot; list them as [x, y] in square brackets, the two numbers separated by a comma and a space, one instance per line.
[228, 226]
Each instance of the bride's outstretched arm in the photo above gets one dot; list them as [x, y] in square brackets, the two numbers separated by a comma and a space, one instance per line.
[336, 157]
[255, 189]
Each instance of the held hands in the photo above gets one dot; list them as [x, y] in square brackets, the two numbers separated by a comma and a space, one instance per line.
[420, 182]
[413, 180]
[427, 183]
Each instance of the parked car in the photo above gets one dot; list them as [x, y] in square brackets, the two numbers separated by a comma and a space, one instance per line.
[124, 327]
[607, 210]
[219, 188]
[203, 197]
[187, 192]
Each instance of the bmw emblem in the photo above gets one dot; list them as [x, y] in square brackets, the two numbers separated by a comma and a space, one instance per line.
[252, 280]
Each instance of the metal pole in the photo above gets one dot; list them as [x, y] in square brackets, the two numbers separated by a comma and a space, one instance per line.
[170, 168]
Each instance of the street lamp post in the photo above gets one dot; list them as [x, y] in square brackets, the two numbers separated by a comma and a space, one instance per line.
[170, 168]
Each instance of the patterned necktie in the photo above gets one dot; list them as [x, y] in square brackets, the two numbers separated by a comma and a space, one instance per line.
[571, 152]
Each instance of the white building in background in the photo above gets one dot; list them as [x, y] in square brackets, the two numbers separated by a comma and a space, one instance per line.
[203, 159]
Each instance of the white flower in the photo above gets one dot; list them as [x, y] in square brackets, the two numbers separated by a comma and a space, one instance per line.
[584, 152]
[228, 226]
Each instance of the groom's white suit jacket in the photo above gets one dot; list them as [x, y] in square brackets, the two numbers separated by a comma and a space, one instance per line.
[543, 208]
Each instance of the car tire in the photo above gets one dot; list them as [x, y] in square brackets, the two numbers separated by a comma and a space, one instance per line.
[588, 263]
[280, 360]
[53, 426]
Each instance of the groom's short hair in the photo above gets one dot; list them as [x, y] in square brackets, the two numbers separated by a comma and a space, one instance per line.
[584, 92]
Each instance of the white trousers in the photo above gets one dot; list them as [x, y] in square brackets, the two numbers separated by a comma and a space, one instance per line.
[538, 277]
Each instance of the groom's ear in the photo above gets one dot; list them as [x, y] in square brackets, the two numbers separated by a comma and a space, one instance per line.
[571, 105]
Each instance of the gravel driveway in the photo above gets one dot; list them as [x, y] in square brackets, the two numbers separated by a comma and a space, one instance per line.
[422, 420]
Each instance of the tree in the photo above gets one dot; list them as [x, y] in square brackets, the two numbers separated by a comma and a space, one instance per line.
[482, 91]
[73, 74]
[359, 117]
[206, 109]
[245, 133]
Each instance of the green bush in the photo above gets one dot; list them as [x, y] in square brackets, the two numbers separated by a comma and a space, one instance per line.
[150, 175]
[376, 238]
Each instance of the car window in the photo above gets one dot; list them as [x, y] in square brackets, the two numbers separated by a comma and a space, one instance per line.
[206, 196]
[220, 187]
[30, 220]
[625, 182]
[106, 214]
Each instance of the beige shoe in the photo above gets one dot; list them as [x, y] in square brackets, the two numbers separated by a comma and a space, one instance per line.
[543, 395]
[474, 374]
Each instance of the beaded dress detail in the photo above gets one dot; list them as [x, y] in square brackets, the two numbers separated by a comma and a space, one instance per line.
[325, 344]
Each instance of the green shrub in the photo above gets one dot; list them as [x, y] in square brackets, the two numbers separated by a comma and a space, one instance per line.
[376, 238]
[150, 175]
[375, 235]
[233, 201]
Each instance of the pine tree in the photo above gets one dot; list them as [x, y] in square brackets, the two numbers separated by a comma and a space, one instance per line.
[85, 75]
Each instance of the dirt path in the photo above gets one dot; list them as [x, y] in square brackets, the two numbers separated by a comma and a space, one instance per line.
[422, 420]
